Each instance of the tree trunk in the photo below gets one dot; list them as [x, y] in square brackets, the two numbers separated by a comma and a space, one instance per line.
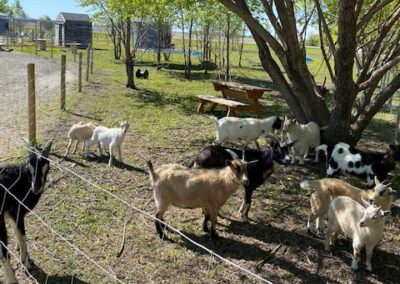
[184, 43]
[345, 91]
[159, 27]
[129, 64]
[228, 24]
[241, 46]
[189, 65]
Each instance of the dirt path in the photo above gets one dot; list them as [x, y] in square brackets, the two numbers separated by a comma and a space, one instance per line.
[13, 92]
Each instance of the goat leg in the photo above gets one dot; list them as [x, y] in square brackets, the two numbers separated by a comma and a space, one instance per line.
[4, 257]
[206, 219]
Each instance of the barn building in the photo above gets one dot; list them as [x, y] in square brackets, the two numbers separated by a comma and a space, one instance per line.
[4, 24]
[71, 27]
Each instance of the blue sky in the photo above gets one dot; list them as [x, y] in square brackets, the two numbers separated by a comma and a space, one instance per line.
[37, 8]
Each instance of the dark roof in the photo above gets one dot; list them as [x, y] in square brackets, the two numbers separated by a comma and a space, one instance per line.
[74, 17]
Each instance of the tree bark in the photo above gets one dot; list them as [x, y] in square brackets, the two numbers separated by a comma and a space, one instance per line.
[129, 63]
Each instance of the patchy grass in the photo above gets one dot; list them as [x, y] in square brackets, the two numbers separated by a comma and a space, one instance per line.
[166, 128]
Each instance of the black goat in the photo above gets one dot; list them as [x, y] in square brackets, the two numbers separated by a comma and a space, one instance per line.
[22, 184]
[267, 162]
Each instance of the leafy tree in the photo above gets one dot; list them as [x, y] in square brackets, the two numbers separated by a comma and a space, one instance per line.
[346, 27]
[17, 10]
[4, 7]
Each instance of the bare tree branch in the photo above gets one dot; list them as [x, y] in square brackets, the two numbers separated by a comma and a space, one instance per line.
[325, 28]
[379, 73]
[358, 7]
[323, 51]
[375, 8]
[307, 22]
[374, 51]
[240, 8]
[273, 20]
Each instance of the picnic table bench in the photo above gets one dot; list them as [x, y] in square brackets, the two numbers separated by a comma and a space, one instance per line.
[235, 97]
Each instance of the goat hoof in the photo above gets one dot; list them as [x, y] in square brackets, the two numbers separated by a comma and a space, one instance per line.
[206, 229]
[214, 236]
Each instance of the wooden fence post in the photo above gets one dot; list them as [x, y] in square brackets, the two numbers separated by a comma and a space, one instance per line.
[52, 48]
[80, 73]
[63, 63]
[31, 104]
[87, 62]
[91, 60]
[36, 46]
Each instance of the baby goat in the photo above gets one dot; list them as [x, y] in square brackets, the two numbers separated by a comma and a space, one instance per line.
[328, 188]
[305, 135]
[80, 132]
[266, 163]
[363, 225]
[111, 137]
[196, 188]
[246, 129]
[365, 164]
[26, 183]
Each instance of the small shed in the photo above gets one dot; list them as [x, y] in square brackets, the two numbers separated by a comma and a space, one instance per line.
[72, 27]
[4, 24]
[149, 35]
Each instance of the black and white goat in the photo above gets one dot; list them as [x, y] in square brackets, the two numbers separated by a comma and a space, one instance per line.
[267, 162]
[21, 184]
[364, 164]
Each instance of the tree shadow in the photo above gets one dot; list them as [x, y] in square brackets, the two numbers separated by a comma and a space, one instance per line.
[84, 115]
[385, 264]
[229, 248]
[103, 159]
[42, 277]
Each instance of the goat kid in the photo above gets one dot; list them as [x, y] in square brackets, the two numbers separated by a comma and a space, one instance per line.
[246, 129]
[80, 132]
[306, 136]
[22, 184]
[196, 188]
[364, 225]
[328, 188]
[369, 165]
[111, 137]
[267, 162]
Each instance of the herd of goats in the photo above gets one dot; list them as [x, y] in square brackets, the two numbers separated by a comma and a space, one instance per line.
[217, 172]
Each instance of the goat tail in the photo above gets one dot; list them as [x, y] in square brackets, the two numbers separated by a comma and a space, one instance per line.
[305, 184]
[151, 170]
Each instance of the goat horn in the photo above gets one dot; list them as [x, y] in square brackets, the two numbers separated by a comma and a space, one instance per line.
[46, 150]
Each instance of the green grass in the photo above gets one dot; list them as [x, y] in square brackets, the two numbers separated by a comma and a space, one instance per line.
[166, 128]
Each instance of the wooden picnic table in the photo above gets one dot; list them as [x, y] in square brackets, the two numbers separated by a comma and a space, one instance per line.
[235, 97]
[41, 43]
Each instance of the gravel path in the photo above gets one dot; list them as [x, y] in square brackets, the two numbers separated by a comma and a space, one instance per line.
[13, 93]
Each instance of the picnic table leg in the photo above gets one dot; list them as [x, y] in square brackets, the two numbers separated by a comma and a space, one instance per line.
[257, 108]
[231, 111]
[200, 107]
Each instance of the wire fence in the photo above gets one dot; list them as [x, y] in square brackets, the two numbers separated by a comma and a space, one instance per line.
[107, 273]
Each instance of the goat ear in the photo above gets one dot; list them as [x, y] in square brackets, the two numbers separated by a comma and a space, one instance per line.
[377, 182]
[229, 163]
[366, 203]
[292, 143]
[386, 213]
[244, 155]
[252, 163]
[46, 150]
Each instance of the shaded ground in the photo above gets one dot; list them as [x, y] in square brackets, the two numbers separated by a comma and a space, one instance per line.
[94, 221]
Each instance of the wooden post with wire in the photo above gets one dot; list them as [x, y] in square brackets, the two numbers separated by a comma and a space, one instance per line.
[63, 64]
[87, 62]
[31, 104]
[52, 48]
[80, 73]
[91, 60]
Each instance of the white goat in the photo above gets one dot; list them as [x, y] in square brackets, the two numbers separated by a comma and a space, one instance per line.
[112, 137]
[78, 132]
[208, 189]
[305, 135]
[364, 225]
[328, 188]
[246, 129]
